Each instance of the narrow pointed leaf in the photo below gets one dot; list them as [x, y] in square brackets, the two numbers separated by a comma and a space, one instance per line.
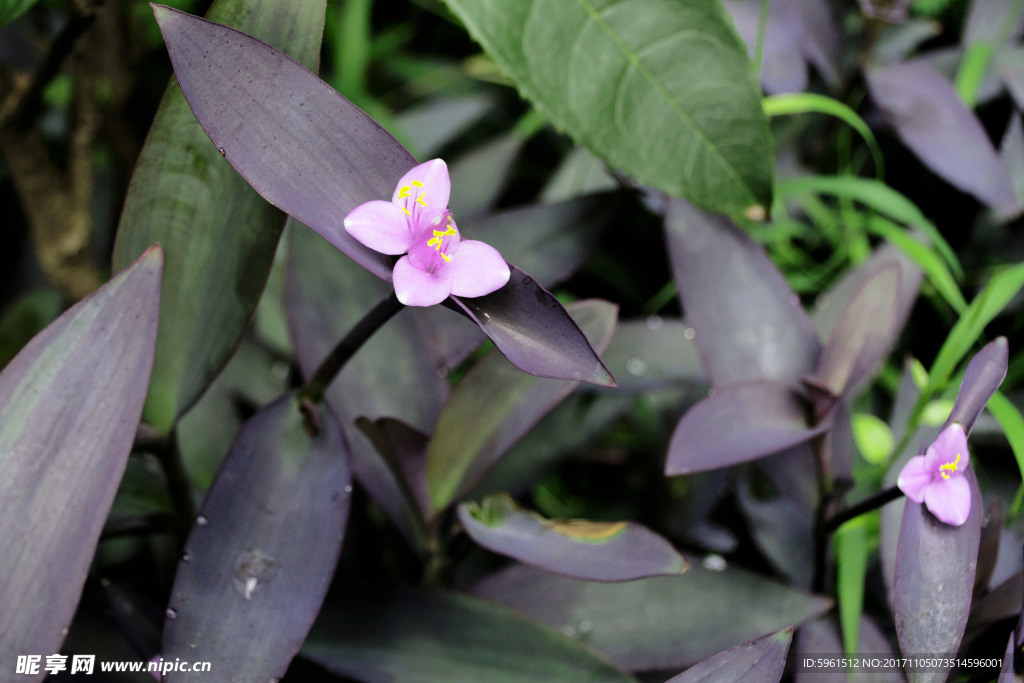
[262, 552]
[947, 137]
[739, 422]
[493, 407]
[644, 84]
[761, 659]
[592, 551]
[304, 148]
[747, 321]
[935, 566]
[218, 235]
[418, 637]
[664, 622]
[984, 374]
[312, 153]
[535, 332]
[862, 334]
[70, 404]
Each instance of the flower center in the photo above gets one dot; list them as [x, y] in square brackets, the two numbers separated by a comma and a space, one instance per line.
[406, 192]
[944, 470]
[438, 240]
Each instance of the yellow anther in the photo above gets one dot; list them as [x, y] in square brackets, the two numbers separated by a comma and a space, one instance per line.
[403, 191]
[951, 466]
[446, 257]
[417, 183]
[407, 211]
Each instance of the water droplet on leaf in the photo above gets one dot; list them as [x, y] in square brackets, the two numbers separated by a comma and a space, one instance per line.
[202, 521]
[636, 367]
[252, 570]
[689, 333]
[655, 322]
[171, 614]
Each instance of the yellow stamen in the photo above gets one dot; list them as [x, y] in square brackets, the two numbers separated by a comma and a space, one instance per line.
[951, 466]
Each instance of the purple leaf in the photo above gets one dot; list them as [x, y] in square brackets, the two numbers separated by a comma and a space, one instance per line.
[821, 638]
[261, 554]
[947, 137]
[935, 565]
[493, 407]
[748, 323]
[70, 404]
[303, 147]
[404, 449]
[592, 551]
[665, 622]
[831, 305]
[217, 234]
[761, 659]
[739, 422]
[861, 335]
[534, 332]
[782, 530]
[984, 374]
[650, 354]
[412, 635]
[315, 155]
[399, 374]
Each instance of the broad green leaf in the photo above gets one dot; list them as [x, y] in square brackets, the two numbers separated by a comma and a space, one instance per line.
[873, 438]
[70, 404]
[218, 235]
[493, 407]
[582, 549]
[418, 637]
[260, 557]
[663, 90]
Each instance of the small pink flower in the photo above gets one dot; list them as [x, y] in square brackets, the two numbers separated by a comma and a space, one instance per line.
[417, 223]
[937, 477]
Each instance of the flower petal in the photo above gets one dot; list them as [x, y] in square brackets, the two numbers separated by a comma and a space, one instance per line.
[415, 287]
[381, 226]
[915, 478]
[477, 269]
[950, 443]
[436, 186]
[949, 499]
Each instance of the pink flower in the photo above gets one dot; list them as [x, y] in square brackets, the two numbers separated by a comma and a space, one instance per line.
[417, 220]
[937, 477]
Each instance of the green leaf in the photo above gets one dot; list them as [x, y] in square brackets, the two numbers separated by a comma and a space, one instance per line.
[851, 569]
[878, 196]
[873, 437]
[1009, 418]
[972, 71]
[12, 9]
[1003, 286]
[803, 102]
[926, 259]
[69, 409]
[662, 89]
[218, 235]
